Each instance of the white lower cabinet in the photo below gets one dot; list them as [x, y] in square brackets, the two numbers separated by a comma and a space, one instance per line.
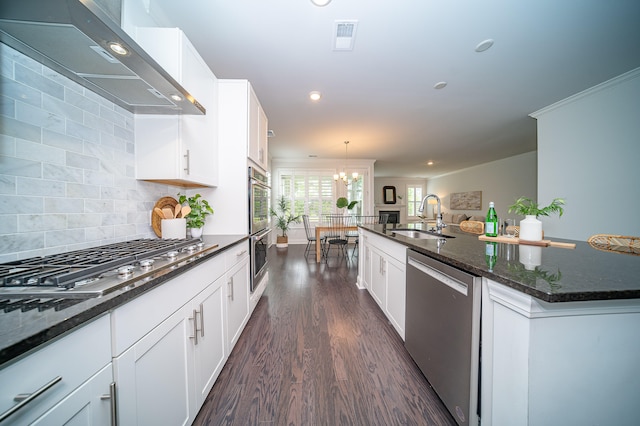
[171, 344]
[237, 293]
[89, 405]
[384, 276]
[78, 367]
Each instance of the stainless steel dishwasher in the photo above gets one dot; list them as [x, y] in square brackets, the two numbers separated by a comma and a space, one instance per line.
[442, 332]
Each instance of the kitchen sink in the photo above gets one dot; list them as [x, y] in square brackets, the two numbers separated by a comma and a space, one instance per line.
[419, 234]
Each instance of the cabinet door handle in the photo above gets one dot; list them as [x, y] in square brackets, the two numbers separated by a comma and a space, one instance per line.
[230, 284]
[112, 398]
[261, 155]
[195, 327]
[201, 320]
[188, 168]
[25, 399]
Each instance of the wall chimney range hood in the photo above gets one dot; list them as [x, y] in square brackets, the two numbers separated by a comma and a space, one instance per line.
[73, 37]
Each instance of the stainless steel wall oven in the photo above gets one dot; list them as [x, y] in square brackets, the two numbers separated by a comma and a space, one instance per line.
[259, 224]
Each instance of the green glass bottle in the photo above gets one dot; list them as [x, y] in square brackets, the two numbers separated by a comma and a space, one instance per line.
[491, 254]
[491, 222]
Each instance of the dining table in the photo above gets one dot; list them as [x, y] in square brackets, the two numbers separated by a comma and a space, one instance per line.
[320, 230]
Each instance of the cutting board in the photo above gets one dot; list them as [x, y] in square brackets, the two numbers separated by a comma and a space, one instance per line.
[516, 240]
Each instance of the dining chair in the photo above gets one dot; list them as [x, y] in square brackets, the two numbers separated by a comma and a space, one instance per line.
[311, 236]
[336, 236]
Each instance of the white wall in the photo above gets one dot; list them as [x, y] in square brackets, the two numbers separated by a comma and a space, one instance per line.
[401, 193]
[501, 181]
[588, 153]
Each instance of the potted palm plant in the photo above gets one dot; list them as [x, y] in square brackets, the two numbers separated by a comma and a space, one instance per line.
[530, 226]
[284, 219]
[199, 209]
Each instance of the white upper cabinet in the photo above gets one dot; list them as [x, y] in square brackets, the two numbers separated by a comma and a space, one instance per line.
[179, 149]
[248, 124]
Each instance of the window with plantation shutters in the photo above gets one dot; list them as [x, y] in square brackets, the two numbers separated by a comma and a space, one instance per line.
[414, 198]
[310, 192]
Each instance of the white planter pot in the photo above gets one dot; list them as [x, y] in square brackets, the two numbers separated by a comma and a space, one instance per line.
[530, 229]
[196, 232]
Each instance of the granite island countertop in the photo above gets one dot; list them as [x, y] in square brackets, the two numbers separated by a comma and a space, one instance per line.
[22, 332]
[562, 275]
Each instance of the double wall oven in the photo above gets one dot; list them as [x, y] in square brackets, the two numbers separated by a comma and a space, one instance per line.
[259, 224]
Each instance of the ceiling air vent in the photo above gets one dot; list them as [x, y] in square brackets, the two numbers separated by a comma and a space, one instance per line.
[344, 34]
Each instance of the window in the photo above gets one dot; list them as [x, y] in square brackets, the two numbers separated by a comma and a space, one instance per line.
[414, 198]
[309, 191]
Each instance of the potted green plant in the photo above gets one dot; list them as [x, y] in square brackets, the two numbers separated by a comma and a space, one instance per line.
[284, 219]
[530, 226]
[199, 208]
[343, 202]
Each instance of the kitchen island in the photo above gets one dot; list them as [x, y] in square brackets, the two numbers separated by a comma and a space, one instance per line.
[560, 327]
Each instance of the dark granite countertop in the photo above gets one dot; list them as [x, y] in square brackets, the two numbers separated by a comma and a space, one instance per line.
[21, 332]
[563, 275]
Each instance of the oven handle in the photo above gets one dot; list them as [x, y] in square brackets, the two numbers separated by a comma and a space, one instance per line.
[261, 235]
[256, 182]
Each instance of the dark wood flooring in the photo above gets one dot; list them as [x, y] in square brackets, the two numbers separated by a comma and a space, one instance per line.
[318, 351]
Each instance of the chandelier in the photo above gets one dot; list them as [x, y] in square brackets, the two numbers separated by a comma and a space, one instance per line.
[343, 175]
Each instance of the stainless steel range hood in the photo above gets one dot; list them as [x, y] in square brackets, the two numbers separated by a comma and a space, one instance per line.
[73, 37]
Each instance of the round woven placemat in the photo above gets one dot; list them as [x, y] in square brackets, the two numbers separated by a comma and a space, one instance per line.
[156, 219]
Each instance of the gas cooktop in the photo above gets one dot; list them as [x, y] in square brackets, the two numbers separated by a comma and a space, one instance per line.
[58, 279]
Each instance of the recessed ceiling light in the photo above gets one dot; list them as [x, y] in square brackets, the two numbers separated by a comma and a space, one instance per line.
[321, 3]
[429, 163]
[484, 45]
[118, 49]
[440, 85]
[315, 96]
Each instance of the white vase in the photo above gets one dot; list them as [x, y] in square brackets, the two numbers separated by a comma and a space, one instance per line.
[196, 232]
[530, 229]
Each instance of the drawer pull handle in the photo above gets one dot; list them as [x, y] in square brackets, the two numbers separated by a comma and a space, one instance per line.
[112, 397]
[24, 399]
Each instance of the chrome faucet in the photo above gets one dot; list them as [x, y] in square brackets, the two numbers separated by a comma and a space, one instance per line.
[439, 223]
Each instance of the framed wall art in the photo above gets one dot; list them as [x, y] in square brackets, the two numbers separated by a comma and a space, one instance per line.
[471, 200]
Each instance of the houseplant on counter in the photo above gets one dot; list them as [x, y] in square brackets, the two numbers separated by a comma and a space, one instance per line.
[284, 218]
[530, 226]
[199, 209]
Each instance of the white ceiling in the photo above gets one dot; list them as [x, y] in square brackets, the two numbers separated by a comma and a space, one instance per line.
[380, 96]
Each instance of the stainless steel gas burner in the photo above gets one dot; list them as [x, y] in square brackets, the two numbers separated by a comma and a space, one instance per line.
[93, 272]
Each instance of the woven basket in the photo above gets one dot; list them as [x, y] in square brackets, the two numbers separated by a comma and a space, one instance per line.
[472, 226]
[615, 243]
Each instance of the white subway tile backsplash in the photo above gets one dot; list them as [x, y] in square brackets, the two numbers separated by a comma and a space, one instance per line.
[16, 204]
[84, 220]
[63, 174]
[8, 185]
[62, 109]
[45, 188]
[63, 237]
[63, 205]
[8, 224]
[41, 222]
[21, 130]
[38, 81]
[82, 161]
[20, 92]
[75, 190]
[60, 140]
[18, 167]
[7, 106]
[67, 165]
[39, 152]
